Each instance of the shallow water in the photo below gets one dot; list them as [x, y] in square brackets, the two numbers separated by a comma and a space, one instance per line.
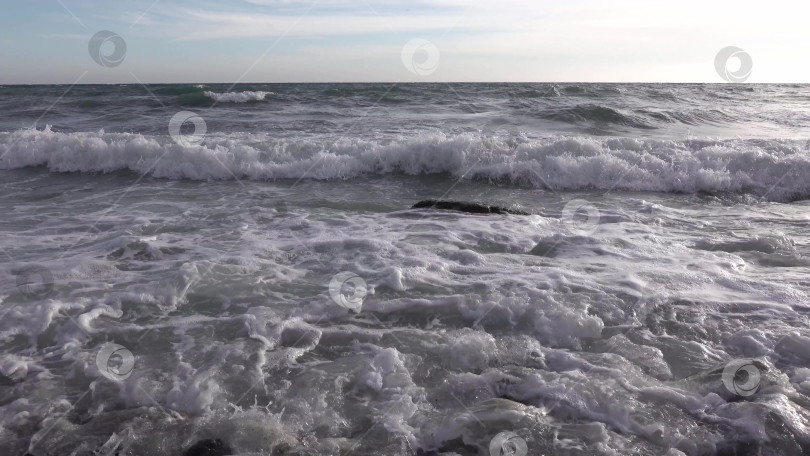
[601, 323]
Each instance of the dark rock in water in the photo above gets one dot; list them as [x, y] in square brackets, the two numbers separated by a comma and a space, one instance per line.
[7, 381]
[471, 208]
[208, 447]
[456, 446]
[738, 449]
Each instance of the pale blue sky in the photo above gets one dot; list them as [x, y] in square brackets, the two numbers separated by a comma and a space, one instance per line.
[46, 41]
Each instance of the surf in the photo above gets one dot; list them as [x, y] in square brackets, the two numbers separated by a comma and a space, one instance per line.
[771, 170]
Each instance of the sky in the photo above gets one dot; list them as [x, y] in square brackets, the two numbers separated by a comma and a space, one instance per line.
[50, 41]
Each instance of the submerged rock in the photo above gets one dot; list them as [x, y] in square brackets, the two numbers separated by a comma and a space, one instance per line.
[470, 208]
[208, 447]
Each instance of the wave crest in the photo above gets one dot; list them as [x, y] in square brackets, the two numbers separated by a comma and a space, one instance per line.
[237, 97]
[776, 170]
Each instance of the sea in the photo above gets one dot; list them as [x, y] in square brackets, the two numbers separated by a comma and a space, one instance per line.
[211, 269]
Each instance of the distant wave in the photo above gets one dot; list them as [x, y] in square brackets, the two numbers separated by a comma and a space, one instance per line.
[596, 113]
[777, 170]
[237, 97]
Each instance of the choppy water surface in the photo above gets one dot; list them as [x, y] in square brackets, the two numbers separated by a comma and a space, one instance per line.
[267, 285]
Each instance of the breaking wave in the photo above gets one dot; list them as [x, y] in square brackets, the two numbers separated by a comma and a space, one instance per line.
[777, 170]
[237, 97]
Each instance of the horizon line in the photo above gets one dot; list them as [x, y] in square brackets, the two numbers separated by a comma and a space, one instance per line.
[395, 82]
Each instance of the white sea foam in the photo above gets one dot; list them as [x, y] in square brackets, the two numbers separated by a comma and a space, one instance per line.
[237, 97]
[462, 333]
[610, 342]
[774, 169]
